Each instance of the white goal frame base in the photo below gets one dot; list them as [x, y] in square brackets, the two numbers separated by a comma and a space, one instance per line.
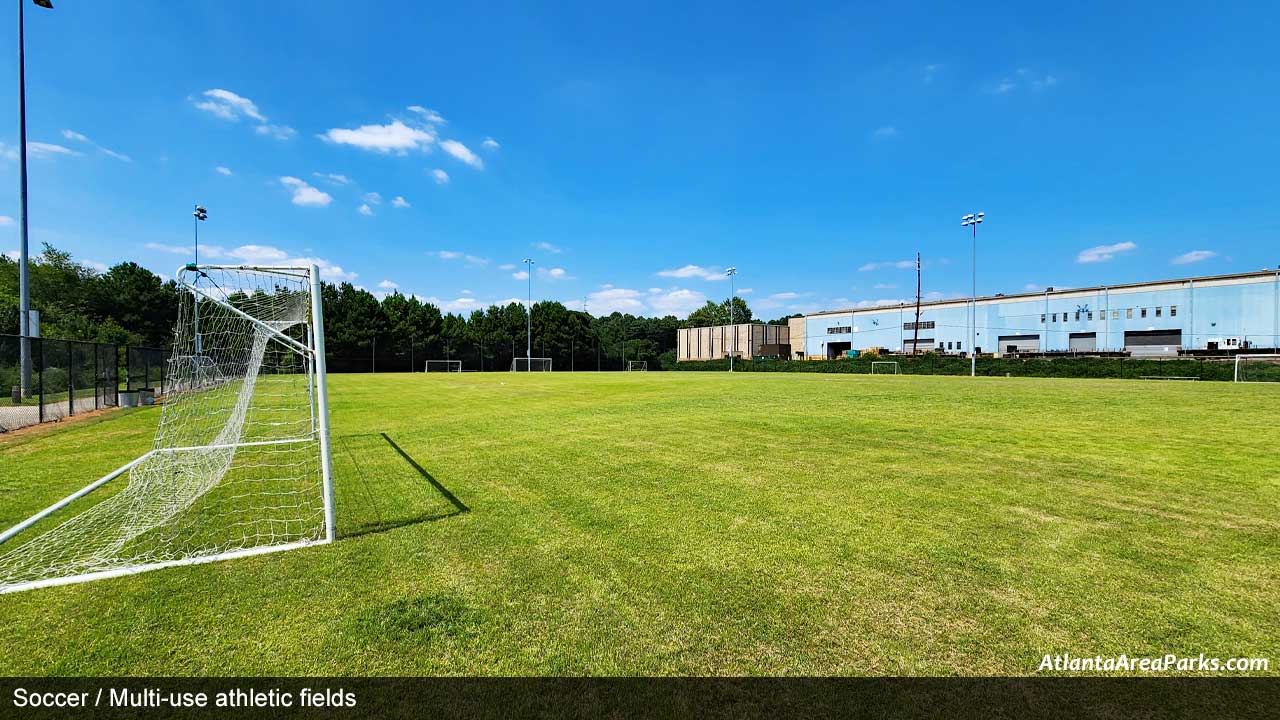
[1246, 358]
[637, 366]
[894, 363]
[450, 365]
[313, 351]
[528, 364]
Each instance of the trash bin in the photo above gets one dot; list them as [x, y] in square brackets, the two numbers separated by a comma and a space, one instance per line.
[17, 394]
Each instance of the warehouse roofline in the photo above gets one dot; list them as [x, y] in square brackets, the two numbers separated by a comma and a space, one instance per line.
[1065, 292]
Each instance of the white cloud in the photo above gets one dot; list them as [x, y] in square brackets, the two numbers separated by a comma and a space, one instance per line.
[1103, 253]
[395, 137]
[333, 178]
[554, 273]
[262, 255]
[221, 170]
[399, 202]
[259, 254]
[547, 247]
[1024, 78]
[304, 194]
[931, 71]
[279, 132]
[388, 285]
[490, 144]
[694, 271]
[745, 291]
[1194, 256]
[899, 264]
[459, 305]
[441, 176]
[507, 266]
[784, 296]
[885, 286]
[466, 292]
[96, 265]
[14, 255]
[455, 255]
[427, 114]
[521, 275]
[73, 135]
[206, 250]
[82, 138]
[365, 210]
[462, 152]
[610, 299]
[40, 149]
[678, 301]
[884, 133]
[448, 255]
[229, 106]
[373, 198]
[5, 221]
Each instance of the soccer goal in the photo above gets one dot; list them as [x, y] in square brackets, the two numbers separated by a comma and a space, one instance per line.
[240, 464]
[443, 366]
[637, 366]
[884, 367]
[521, 364]
[1257, 368]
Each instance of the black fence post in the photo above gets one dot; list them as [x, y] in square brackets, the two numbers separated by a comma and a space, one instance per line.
[40, 386]
[71, 381]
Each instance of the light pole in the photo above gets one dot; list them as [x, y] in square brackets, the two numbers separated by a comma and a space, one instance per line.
[972, 220]
[24, 280]
[528, 352]
[733, 330]
[198, 216]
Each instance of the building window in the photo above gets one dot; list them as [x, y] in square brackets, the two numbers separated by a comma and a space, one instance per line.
[1090, 315]
[1173, 311]
[1158, 309]
[1055, 317]
[1128, 313]
[1077, 316]
[1041, 318]
[840, 330]
[1115, 314]
[922, 325]
[1144, 312]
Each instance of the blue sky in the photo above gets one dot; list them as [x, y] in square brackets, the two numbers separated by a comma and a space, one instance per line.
[634, 150]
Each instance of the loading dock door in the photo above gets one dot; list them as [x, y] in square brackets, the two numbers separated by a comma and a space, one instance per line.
[1083, 342]
[1018, 344]
[1153, 342]
[922, 345]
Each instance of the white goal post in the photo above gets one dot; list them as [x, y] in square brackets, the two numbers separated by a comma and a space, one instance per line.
[241, 462]
[637, 366]
[1257, 368]
[524, 364]
[443, 366]
[885, 366]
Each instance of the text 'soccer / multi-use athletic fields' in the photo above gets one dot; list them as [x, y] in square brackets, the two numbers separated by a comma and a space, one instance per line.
[691, 524]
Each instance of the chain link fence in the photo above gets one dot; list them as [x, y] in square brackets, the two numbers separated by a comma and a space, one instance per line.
[68, 377]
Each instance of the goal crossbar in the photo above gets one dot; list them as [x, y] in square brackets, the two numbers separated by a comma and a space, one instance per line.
[515, 362]
[884, 363]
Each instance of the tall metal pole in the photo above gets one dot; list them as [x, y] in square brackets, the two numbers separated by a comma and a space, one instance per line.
[24, 289]
[973, 306]
[528, 352]
[733, 329]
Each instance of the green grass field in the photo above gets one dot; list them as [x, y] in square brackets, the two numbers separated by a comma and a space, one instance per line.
[708, 524]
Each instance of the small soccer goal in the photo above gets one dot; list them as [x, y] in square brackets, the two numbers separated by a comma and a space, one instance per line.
[884, 367]
[521, 364]
[443, 366]
[637, 366]
[1257, 368]
[240, 464]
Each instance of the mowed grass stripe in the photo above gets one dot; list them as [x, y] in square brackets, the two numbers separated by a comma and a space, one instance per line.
[666, 523]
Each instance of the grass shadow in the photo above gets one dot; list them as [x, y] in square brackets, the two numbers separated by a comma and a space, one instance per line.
[380, 487]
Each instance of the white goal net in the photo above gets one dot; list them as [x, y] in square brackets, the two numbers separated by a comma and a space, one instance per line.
[1257, 368]
[637, 366]
[521, 364]
[443, 366]
[240, 463]
[884, 367]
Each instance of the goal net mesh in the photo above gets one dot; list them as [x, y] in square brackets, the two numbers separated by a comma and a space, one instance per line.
[235, 465]
[1258, 368]
[531, 364]
[443, 366]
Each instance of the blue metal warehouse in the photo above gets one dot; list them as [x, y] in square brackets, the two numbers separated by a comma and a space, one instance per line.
[1223, 313]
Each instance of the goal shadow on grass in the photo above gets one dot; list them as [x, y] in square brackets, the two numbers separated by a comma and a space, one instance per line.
[379, 487]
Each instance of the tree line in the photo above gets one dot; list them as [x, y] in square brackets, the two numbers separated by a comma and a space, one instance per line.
[129, 304]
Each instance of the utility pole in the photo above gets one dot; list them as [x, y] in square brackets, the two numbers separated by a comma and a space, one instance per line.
[915, 338]
[24, 278]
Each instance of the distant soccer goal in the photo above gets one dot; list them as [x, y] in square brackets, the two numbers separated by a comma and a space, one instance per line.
[521, 364]
[884, 367]
[443, 366]
[1257, 368]
[637, 366]
[240, 464]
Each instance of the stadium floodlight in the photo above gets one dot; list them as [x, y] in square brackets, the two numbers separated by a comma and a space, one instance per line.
[528, 274]
[973, 220]
[733, 331]
[241, 460]
[24, 278]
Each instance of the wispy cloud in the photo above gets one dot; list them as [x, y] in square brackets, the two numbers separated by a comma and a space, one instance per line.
[555, 273]
[304, 194]
[260, 255]
[279, 132]
[930, 71]
[334, 178]
[462, 152]
[886, 132]
[388, 285]
[46, 150]
[1194, 256]
[222, 170]
[399, 202]
[694, 271]
[548, 247]
[1024, 78]
[365, 210]
[373, 198]
[6, 221]
[428, 115]
[1103, 253]
[455, 255]
[898, 264]
[884, 286]
[232, 106]
[441, 177]
[521, 275]
[393, 138]
[490, 144]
